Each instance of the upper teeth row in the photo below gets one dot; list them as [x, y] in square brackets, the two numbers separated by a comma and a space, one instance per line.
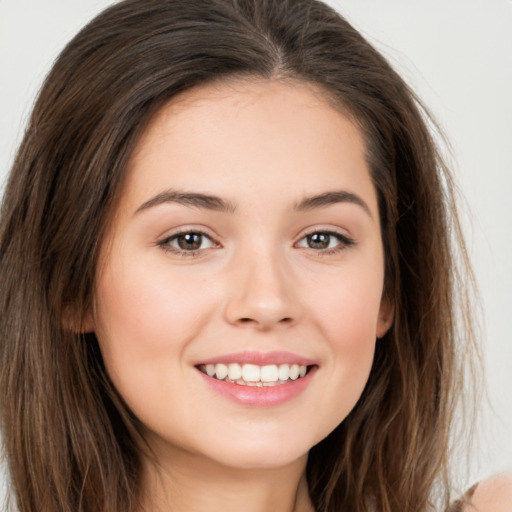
[255, 373]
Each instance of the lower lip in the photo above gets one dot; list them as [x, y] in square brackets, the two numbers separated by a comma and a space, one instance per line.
[265, 396]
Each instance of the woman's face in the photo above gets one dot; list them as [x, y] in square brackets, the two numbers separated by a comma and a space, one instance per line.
[245, 251]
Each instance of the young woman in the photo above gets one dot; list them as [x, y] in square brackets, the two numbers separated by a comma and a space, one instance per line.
[227, 271]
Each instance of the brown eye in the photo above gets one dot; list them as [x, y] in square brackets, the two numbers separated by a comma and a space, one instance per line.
[189, 241]
[319, 240]
[325, 241]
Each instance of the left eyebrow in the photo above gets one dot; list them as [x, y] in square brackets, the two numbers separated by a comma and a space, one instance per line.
[329, 198]
[194, 199]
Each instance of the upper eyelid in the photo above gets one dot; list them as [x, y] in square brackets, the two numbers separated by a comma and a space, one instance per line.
[345, 240]
[165, 244]
[163, 241]
[324, 229]
[174, 232]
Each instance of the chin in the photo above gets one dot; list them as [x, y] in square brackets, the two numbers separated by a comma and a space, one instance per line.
[259, 459]
[260, 451]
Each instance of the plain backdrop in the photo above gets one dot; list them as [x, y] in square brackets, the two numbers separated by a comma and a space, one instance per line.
[457, 54]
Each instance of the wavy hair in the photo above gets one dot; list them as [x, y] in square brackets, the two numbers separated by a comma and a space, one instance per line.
[71, 443]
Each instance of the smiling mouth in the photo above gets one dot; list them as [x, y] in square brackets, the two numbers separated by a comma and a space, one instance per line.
[254, 375]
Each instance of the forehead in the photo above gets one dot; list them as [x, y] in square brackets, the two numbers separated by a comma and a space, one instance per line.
[240, 135]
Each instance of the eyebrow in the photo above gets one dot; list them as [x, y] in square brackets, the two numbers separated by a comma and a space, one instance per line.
[330, 198]
[194, 199]
[215, 203]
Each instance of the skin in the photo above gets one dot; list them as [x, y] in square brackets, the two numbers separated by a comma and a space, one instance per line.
[255, 283]
[492, 495]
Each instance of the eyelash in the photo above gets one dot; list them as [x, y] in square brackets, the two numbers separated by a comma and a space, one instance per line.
[344, 242]
[165, 243]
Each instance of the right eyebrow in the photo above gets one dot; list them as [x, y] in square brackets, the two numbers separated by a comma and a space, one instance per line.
[194, 199]
[332, 197]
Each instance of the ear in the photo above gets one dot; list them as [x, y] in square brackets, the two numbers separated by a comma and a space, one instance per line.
[87, 323]
[386, 315]
[78, 322]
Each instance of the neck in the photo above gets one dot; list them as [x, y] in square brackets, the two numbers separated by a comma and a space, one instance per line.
[192, 482]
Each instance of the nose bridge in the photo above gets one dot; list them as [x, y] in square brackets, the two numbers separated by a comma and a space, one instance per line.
[261, 291]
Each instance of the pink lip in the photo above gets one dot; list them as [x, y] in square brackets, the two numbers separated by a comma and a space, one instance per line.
[265, 396]
[259, 358]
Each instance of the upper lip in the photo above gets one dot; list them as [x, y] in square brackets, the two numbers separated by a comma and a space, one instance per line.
[259, 358]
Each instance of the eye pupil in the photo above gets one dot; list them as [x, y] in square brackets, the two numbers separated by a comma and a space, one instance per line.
[318, 240]
[190, 241]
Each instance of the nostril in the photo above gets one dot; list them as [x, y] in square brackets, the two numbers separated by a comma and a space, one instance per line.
[248, 320]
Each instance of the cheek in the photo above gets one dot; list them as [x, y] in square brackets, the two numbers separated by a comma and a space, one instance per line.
[348, 308]
[143, 318]
[144, 322]
[352, 335]
[347, 312]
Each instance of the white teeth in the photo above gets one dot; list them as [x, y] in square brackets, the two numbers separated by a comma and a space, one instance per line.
[284, 372]
[234, 371]
[221, 371]
[250, 373]
[269, 373]
[254, 375]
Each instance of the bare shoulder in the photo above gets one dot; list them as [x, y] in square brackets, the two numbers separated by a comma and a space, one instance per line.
[492, 495]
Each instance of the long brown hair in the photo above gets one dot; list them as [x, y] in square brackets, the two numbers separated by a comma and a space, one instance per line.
[71, 443]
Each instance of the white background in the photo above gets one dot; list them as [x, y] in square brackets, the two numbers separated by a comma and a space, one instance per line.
[456, 53]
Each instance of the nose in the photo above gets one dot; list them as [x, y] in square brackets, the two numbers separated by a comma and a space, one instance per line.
[262, 293]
